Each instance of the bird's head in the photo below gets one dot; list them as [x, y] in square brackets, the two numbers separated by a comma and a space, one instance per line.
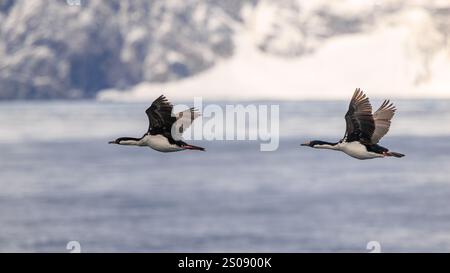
[116, 141]
[309, 143]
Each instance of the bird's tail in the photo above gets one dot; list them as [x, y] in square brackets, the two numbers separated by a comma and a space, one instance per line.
[394, 154]
[192, 147]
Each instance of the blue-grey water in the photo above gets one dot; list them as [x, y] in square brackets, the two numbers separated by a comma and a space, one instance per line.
[60, 181]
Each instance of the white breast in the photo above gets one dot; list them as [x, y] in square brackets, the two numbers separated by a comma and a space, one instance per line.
[357, 150]
[160, 143]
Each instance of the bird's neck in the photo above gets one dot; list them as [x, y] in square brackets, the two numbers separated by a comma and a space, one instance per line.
[131, 141]
[327, 145]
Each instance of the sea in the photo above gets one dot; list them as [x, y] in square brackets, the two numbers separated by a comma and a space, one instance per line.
[61, 182]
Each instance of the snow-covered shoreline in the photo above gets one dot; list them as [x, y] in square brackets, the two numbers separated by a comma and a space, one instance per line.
[386, 62]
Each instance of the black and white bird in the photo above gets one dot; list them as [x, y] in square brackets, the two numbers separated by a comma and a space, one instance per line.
[364, 130]
[165, 129]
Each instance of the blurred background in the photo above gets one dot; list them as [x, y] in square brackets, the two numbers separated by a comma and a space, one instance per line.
[286, 49]
[76, 74]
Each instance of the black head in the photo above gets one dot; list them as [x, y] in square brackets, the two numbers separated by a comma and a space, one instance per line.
[117, 141]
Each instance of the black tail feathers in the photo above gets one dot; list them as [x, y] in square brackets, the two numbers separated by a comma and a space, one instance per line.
[192, 147]
[394, 154]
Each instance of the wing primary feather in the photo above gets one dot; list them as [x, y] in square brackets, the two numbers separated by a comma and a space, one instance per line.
[160, 115]
[382, 119]
[359, 120]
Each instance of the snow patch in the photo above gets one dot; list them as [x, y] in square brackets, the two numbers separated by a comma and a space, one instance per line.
[385, 62]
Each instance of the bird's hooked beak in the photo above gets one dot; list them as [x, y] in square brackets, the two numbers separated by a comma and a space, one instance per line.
[113, 142]
[307, 143]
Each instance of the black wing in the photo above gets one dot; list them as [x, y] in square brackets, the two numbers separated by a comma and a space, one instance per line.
[160, 115]
[359, 119]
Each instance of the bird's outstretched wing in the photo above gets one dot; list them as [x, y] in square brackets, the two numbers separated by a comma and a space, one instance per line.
[359, 119]
[185, 119]
[160, 115]
[382, 118]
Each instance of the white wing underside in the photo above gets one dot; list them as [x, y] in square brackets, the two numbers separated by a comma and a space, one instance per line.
[184, 121]
[382, 118]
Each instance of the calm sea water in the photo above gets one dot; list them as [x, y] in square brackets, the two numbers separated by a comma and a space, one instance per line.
[60, 181]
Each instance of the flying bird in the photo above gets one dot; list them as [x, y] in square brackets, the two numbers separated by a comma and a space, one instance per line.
[364, 130]
[165, 129]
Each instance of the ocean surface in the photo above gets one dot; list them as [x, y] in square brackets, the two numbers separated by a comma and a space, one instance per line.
[60, 181]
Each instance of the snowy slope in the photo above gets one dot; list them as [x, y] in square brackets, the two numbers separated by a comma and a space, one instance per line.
[401, 56]
[49, 49]
[223, 49]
